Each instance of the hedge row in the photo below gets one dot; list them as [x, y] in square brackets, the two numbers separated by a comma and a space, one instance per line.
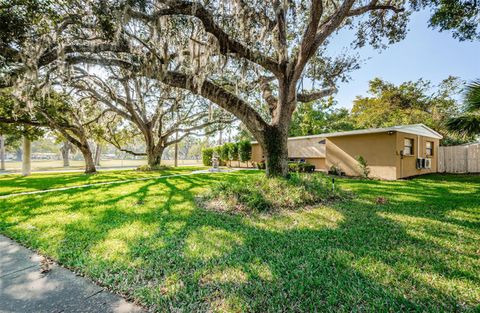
[241, 151]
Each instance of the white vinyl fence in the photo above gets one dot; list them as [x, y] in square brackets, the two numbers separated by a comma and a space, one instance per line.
[459, 159]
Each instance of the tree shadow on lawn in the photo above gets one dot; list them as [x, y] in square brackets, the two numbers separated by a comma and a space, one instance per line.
[16, 183]
[430, 196]
[155, 246]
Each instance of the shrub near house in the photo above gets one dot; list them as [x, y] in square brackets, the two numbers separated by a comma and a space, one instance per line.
[297, 167]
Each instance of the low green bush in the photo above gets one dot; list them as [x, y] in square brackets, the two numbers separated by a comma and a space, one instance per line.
[261, 165]
[207, 155]
[261, 194]
[299, 167]
[364, 168]
[295, 167]
[309, 168]
[335, 170]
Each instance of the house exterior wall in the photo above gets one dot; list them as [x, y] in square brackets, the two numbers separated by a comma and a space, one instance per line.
[406, 165]
[320, 163]
[306, 148]
[382, 151]
[257, 153]
[377, 149]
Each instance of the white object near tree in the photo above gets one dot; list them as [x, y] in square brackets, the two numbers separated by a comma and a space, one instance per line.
[215, 163]
[26, 159]
[2, 152]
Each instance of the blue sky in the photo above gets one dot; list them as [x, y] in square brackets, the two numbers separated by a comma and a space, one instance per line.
[425, 53]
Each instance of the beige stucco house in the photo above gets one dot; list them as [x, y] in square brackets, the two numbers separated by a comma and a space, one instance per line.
[391, 152]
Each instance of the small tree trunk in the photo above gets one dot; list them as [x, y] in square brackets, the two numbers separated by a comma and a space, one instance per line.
[2, 152]
[98, 153]
[275, 149]
[65, 150]
[26, 159]
[88, 157]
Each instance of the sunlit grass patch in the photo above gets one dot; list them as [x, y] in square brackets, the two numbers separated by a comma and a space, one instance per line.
[418, 252]
[208, 242]
[15, 183]
[321, 217]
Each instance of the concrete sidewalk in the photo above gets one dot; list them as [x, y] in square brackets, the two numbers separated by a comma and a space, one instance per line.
[24, 288]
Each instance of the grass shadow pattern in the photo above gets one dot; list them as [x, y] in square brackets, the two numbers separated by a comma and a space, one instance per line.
[147, 240]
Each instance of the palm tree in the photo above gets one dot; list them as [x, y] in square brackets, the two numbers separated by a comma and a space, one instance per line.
[469, 122]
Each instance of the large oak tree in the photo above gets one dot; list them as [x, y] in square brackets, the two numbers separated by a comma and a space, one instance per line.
[163, 116]
[232, 53]
[58, 112]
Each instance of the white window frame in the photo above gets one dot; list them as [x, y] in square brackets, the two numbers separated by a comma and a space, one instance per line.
[427, 148]
[411, 147]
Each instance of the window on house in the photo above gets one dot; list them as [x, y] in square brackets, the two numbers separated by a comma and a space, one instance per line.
[408, 146]
[429, 148]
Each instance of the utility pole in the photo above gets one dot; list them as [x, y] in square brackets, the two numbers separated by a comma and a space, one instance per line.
[2, 152]
[176, 149]
[220, 138]
[27, 157]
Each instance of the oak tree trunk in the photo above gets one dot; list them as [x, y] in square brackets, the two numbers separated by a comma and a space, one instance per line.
[88, 157]
[274, 145]
[154, 157]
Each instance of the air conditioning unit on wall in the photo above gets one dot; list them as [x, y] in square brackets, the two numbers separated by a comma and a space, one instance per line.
[419, 163]
[424, 163]
[428, 163]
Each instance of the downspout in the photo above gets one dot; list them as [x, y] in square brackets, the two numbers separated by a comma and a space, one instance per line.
[418, 153]
[418, 147]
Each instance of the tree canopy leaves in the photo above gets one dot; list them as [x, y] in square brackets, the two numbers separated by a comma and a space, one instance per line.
[411, 102]
[468, 122]
[462, 17]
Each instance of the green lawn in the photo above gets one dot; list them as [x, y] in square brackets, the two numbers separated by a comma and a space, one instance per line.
[15, 183]
[419, 252]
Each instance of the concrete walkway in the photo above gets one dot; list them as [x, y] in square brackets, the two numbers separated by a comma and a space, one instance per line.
[24, 288]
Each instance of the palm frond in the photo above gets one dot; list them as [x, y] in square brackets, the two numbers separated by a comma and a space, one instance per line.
[466, 124]
[472, 96]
